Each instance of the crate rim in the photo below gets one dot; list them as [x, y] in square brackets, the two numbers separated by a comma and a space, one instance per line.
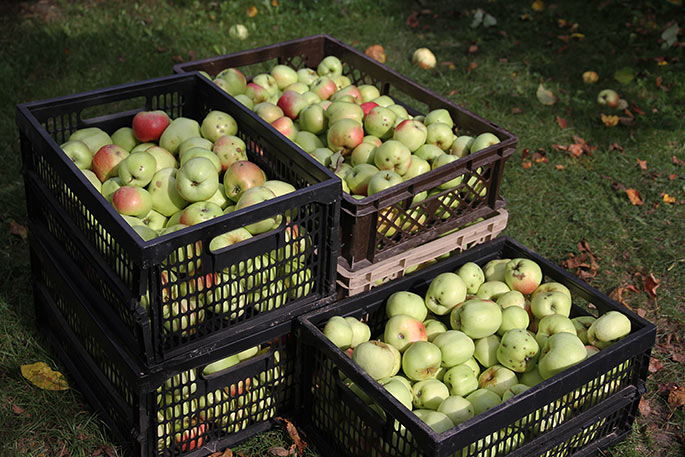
[560, 382]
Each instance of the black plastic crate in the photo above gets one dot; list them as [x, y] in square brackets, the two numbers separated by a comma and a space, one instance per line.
[375, 228]
[587, 407]
[172, 291]
[178, 410]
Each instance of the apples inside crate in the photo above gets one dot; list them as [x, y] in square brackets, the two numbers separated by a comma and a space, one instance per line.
[174, 295]
[355, 282]
[576, 412]
[192, 407]
[398, 218]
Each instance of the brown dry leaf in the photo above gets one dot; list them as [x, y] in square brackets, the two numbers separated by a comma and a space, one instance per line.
[545, 96]
[637, 109]
[642, 164]
[162, 49]
[641, 312]
[412, 20]
[668, 199]
[252, 11]
[678, 357]
[275, 4]
[473, 48]
[538, 5]
[676, 398]
[44, 377]
[18, 229]
[655, 365]
[562, 122]
[472, 66]
[176, 58]
[651, 284]
[559, 167]
[227, 453]
[564, 38]
[539, 156]
[615, 147]
[644, 407]
[635, 197]
[526, 164]
[376, 52]
[677, 161]
[294, 435]
[609, 121]
[576, 150]
[18, 410]
[516, 110]
[279, 451]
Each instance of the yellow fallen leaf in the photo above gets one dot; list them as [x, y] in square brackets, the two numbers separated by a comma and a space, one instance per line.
[580, 36]
[609, 121]
[44, 377]
[668, 199]
[252, 11]
[538, 5]
[546, 96]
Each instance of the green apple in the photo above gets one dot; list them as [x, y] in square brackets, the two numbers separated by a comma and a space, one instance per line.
[216, 124]
[400, 391]
[94, 137]
[329, 66]
[421, 360]
[407, 303]
[429, 393]
[483, 140]
[165, 197]
[513, 317]
[492, 290]
[92, 177]
[461, 380]
[124, 137]
[79, 153]
[511, 298]
[553, 302]
[154, 220]
[485, 350]
[411, 133]
[376, 358]
[232, 81]
[194, 142]
[477, 318]
[561, 351]
[582, 324]
[551, 324]
[498, 379]
[402, 330]
[360, 331]
[417, 167]
[109, 186]
[382, 180]
[439, 422]
[518, 350]
[379, 122]
[549, 287]
[137, 169]
[339, 331]
[254, 196]
[523, 275]
[163, 158]
[514, 390]
[445, 291]
[461, 146]
[608, 328]
[473, 276]
[442, 160]
[440, 135]
[483, 399]
[428, 152]
[457, 408]
[455, 346]
[531, 378]
[494, 269]
[434, 327]
[179, 130]
[197, 179]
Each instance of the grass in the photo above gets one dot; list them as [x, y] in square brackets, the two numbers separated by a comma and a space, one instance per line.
[54, 48]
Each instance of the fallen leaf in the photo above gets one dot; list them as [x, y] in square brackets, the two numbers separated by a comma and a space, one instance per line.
[516, 110]
[637, 109]
[678, 357]
[526, 164]
[44, 377]
[274, 3]
[376, 52]
[176, 58]
[677, 161]
[672, 176]
[615, 147]
[668, 199]
[293, 433]
[635, 197]
[473, 48]
[472, 66]
[576, 149]
[564, 38]
[18, 229]
[559, 167]
[651, 284]
[624, 75]
[655, 365]
[545, 96]
[162, 49]
[577, 35]
[562, 122]
[609, 120]
[642, 164]
[279, 451]
[670, 36]
[227, 453]
[659, 80]
[538, 5]
[18, 410]
[641, 312]
[252, 11]
[412, 20]
[644, 407]
[676, 398]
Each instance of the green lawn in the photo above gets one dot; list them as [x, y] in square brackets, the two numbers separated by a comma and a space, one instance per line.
[556, 200]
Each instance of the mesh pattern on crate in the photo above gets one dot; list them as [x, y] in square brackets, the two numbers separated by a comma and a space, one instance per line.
[190, 414]
[197, 299]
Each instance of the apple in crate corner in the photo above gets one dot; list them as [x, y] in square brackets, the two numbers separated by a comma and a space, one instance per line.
[132, 201]
[79, 153]
[149, 125]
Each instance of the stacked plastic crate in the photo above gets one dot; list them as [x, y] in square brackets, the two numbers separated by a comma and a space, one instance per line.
[152, 330]
[390, 233]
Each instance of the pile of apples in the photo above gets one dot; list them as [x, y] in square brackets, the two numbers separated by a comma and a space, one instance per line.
[163, 175]
[369, 141]
[477, 337]
[184, 418]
